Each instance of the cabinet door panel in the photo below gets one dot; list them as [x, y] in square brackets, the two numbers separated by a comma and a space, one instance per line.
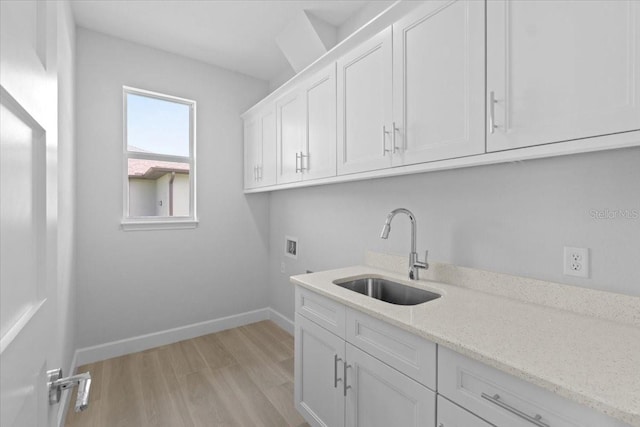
[561, 70]
[364, 105]
[439, 82]
[320, 150]
[252, 151]
[317, 397]
[290, 133]
[267, 173]
[380, 396]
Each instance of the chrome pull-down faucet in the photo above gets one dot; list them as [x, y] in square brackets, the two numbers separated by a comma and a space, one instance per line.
[414, 262]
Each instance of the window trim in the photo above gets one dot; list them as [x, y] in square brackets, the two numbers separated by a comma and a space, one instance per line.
[164, 222]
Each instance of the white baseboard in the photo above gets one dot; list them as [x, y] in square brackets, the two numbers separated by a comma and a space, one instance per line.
[63, 407]
[169, 336]
[280, 320]
[105, 351]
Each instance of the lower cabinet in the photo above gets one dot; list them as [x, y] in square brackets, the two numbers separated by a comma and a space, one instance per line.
[337, 384]
[379, 396]
[319, 387]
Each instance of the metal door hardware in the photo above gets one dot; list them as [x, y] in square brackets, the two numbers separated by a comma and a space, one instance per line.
[55, 384]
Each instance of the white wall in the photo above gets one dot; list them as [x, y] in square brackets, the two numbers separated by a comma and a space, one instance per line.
[142, 197]
[512, 218]
[66, 229]
[181, 195]
[138, 282]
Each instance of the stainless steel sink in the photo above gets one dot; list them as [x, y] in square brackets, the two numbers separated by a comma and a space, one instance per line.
[388, 291]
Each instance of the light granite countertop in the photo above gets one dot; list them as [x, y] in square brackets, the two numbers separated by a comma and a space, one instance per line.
[592, 360]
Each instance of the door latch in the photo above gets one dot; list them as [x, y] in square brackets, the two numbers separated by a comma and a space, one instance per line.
[55, 384]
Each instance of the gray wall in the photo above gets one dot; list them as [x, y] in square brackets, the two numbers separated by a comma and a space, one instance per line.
[512, 218]
[137, 282]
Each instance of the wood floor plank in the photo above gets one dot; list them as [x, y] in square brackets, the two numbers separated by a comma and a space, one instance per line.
[186, 358]
[213, 352]
[122, 395]
[160, 410]
[253, 402]
[273, 348]
[204, 404]
[261, 368]
[170, 378]
[281, 397]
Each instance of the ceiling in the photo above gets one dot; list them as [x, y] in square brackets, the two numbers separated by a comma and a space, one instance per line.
[237, 35]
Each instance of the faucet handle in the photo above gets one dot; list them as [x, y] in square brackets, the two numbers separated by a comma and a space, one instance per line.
[426, 257]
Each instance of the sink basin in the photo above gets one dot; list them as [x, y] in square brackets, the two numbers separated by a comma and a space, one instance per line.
[388, 291]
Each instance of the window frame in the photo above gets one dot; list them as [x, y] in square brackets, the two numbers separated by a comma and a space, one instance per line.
[159, 222]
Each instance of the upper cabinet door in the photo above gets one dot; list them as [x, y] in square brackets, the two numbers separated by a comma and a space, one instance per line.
[290, 132]
[561, 70]
[320, 148]
[439, 82]
[267, 170]
[364, 106]
[252, 151]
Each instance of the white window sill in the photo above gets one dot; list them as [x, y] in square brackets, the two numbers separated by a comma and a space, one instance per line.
[164, 224]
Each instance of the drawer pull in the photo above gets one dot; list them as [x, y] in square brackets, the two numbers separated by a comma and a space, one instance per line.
[495, 399]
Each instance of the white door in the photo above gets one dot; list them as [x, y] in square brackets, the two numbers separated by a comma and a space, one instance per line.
[267, 169]
[380, 396]
[252, 150]
[561, 70]
[364, 106]
[438, 82]
[320, 148]
[28, 138]
[290, 129]
[451, 415]
[319, 367]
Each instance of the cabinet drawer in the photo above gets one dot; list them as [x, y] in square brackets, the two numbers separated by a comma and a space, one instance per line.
[325, 312]
[505, 400]
[410, 354]
[451, 415]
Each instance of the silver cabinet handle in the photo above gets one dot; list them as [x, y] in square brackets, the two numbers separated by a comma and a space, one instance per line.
[259, 172]
[385, 150]
[393, 137]
[335, 371]
[255, 173]
[495, 399]
[492, 112]
[297, 158]
[302, 157]
[344, 383]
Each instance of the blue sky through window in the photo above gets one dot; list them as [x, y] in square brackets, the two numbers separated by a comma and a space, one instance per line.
[157, 126]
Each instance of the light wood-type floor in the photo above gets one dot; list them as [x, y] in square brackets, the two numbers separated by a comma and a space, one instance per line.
[238, 377]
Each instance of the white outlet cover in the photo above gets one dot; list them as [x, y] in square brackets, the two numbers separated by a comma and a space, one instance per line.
[576, 262]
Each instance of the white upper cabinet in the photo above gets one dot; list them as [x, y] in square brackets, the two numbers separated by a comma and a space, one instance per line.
[319, 151]
[438, 82]
[364, 106]
[561, 70]
[290, 130]
[307, 129]
[259, 148]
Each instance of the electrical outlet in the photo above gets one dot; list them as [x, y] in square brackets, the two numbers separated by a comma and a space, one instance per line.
[283, 267]
[576, 262]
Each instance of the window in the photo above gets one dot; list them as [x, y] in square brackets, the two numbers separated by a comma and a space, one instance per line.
[159, 161]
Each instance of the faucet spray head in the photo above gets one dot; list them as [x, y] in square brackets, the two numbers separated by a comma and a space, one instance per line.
[385, 230]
